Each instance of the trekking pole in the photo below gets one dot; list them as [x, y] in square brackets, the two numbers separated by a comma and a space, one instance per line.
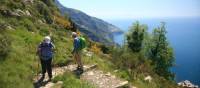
[37, 68]
[54, 64]
[38, 65]
[53, 61]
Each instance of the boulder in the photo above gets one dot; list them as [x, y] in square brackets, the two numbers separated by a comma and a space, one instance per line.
[28, 13]
[9, 28]
[148, 78]
[187, 84]
[28, 1]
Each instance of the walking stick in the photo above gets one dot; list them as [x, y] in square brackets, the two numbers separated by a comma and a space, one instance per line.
[54, 64]
[37, 68]
[38, 65]
[53, 61]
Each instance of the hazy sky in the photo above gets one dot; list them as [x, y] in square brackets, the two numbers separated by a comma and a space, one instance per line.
[125, 9]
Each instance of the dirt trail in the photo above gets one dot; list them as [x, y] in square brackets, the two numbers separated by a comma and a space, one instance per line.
[92, 75]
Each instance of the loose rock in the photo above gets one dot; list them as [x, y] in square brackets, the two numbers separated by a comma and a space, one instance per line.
[187, 84]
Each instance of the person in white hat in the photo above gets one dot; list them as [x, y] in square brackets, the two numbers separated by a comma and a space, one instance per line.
[45, 51]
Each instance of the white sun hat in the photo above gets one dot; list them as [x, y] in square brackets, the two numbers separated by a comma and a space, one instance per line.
[74, 34]
[47, 39]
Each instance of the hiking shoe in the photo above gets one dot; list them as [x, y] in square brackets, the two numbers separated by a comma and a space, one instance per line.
[50, 78]
[79, 67]
[43, 76]
[80, 70]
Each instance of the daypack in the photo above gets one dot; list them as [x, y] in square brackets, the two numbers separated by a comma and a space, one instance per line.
[46, 50]
[82, 42]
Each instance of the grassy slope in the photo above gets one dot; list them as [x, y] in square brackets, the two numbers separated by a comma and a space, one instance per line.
[21, 63]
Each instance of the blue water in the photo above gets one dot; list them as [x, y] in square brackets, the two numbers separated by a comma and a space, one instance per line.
[184, 37]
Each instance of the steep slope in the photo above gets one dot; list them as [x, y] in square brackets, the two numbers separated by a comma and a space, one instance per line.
[97, 29]
[23, 24]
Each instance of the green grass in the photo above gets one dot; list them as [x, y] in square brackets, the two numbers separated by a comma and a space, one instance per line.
[70, 81]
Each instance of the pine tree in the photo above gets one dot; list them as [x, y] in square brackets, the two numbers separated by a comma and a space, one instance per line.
[161, 53]
[135, 36]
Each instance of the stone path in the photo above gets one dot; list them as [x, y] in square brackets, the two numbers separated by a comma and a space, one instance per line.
[103, 80]
[92, 75]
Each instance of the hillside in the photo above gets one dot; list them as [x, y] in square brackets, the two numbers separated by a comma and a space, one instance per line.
[24, 23]
[97, 29]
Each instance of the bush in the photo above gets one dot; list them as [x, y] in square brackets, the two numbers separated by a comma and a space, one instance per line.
[44, 30]
[135, 36]
[28, 24]
[105, 49]
[45, 12]
[5, 43]
[62, 21]
[49, 2]
[3, 25]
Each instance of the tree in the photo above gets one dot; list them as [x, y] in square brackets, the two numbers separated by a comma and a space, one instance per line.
[135, 36]
[161, 53]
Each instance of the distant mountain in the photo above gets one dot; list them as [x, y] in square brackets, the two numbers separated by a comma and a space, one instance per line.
[97, 29]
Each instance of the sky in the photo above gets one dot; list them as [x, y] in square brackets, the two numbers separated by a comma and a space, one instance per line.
[126, 9]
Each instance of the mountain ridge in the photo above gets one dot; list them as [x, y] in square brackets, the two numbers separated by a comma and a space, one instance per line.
[96, 29]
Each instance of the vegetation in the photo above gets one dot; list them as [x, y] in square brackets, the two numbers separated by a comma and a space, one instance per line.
[145, 54]
[5, 43]
[142, 55]
[20, 36]
[135, 37]
[161, 53]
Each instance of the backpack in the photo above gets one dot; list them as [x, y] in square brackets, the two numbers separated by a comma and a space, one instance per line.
[46, 50]
[82, 42]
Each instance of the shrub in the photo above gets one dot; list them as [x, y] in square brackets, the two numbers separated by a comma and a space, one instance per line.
[105, 49]
[45, 12]
[44, 30]
[5, 43]
[49, 2]
[28, 24]
[2, 25]
[62, 21]
[94, 48]
[135, 36]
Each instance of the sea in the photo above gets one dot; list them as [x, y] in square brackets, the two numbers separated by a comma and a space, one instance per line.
[183, 35]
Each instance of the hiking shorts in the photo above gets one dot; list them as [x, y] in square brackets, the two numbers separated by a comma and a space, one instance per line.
[79, 52]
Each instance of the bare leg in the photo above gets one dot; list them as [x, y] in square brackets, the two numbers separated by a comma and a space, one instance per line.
[75, 58]
[79, 60]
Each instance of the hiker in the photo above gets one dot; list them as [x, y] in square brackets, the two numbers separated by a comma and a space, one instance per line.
[45, 52]
[77, 50]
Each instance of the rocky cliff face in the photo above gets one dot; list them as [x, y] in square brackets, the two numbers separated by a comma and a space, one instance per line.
[97, 29]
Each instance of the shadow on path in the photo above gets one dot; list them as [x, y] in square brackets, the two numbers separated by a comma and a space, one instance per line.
[40, 83]
[78, 73]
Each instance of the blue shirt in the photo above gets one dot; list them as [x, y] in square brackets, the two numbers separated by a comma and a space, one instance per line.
[76, 44]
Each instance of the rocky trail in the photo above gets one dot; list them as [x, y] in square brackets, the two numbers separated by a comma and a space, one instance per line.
[91, 74]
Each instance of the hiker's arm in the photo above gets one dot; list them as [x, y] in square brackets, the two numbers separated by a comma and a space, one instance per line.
[53, 47]
[75, 45]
